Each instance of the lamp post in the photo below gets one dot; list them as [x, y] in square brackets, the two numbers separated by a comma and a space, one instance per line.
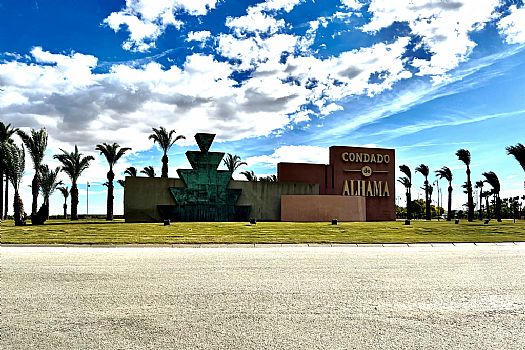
[87, 199]
[438, 195]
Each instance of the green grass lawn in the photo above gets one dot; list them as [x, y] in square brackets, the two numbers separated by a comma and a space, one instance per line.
[118, 232]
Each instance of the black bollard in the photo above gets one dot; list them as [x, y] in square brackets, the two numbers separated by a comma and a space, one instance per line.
[166, 222]
[334, 221]
[253, 221]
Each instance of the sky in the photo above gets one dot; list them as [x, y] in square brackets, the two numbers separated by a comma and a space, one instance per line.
[276, 80]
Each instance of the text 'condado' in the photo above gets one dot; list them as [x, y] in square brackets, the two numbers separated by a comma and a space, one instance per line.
[365, 157]
[365, 188]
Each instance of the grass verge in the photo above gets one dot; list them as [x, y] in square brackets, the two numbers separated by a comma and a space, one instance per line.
[118, 232]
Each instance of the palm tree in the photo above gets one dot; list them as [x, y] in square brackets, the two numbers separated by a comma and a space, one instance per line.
[446, 173]
[423, 170]
[407, 182]
[479, 185]
[464, 156]
[73, 164]
[112, 153]
[14, 159]
[149, 171]
[48, 185]
[165, 140]
[36, 144]
[6, 134]
[250, 175]
[122, 183]
[65, 193]
[487, 195]
[492, 179]
[269, 178]
[518, 152]
[131, 171]
[232, 162]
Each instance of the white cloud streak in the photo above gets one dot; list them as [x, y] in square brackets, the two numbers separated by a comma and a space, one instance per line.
[512, 27]
[146, 20]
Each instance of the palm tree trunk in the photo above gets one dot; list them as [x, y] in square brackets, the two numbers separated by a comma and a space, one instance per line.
[34, 190]
[449, 209]
[18, 210]
[74, 201]
[65, 209]
[6, 198]
[427, 202]
[480, 200]
[470, 216]
[409, 202]
[109, 206]
[164, 166]
[498, 208]
[487, 204]
[1, 193]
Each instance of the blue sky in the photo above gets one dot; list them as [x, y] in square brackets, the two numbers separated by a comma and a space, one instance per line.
[276, 80]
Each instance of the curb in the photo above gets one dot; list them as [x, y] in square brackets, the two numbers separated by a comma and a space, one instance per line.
[270, 245]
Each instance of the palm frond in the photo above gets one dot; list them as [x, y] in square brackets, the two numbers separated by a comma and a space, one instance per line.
[112, 152]
[518, 151]
[250, 175]
[73, 164]
[463, 155]
[64, 190]
[232, 162]
[48, 180]
[445, 173]
[423, 170]
[405, 181]
[36, 144]
[149, 171]
[406, 170]
[492, 179]
[131, 171]
[15, 163]
[164, 138]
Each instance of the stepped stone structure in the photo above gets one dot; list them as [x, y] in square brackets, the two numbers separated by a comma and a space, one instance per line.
[205, 195]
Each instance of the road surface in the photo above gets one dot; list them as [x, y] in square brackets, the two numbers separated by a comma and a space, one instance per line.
[418, 297]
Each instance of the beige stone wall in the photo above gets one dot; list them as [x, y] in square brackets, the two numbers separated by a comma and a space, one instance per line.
[143, 194]
[265, 197]
[312, 208]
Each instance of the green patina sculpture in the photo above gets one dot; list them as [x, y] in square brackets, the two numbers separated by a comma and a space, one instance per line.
[206, 196]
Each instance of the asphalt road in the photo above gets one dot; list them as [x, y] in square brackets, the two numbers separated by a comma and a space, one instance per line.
[450, 297]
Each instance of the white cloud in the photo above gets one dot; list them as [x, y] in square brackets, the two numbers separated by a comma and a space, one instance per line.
[295, 154]
[443, 26]
[147, 20]
[275, 5]
[201, 36]
[352, 4]
[512, 27]
[254, 21]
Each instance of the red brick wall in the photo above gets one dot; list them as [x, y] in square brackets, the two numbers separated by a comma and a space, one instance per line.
[346, 165]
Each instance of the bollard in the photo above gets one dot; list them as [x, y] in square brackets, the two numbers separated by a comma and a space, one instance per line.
[253, 221]
[166, 222]
[457, 221]
[334, 221]
[407, 222]
[486, 221]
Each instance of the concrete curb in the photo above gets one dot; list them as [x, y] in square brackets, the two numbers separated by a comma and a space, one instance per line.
[273, 245]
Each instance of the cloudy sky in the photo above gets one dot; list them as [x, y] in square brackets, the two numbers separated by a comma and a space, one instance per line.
[276, 80]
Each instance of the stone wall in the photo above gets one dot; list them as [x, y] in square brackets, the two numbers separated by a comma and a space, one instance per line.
[308, 208]
[143, 194]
